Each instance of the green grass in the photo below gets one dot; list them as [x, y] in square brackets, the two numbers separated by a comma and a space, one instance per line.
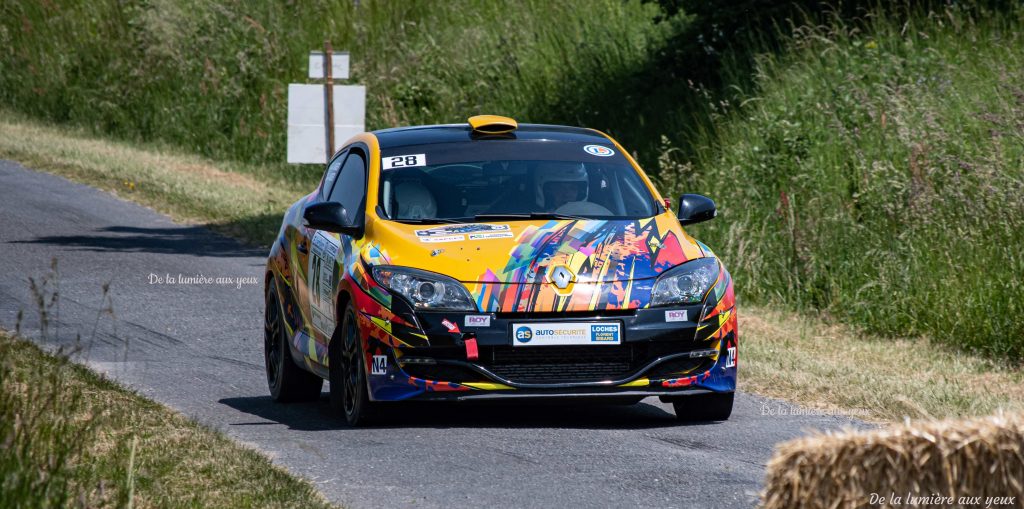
[72, 438]
[211, 77]
[870, 169]
[240, 200]
[876, 174]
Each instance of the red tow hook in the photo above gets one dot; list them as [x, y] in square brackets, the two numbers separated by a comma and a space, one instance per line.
[471, 351]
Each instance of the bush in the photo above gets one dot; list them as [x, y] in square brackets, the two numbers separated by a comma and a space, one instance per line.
[878, 175]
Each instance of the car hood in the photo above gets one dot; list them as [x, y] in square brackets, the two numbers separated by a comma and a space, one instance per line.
[529, 252]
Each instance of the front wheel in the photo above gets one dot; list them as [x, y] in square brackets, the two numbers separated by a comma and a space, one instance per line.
[715, 406]
[287, 381]
[349, 394]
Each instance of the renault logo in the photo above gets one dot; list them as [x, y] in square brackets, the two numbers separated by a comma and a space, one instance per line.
[562, 277]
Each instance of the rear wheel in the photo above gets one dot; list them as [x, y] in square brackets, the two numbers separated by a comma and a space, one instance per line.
[287, 381]
[715, 406]
[349, 394]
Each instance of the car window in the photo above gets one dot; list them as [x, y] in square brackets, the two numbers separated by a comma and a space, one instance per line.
[461, 181]
[350, 187]
[331, 174]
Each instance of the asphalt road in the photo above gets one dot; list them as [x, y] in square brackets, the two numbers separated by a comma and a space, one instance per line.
[197, 348]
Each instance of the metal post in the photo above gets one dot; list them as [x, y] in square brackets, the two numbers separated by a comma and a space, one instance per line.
[329, 91]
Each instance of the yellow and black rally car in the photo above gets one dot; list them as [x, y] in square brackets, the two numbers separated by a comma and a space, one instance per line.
[496, 260]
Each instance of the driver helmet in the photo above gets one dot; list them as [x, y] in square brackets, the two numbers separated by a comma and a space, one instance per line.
[549, 172]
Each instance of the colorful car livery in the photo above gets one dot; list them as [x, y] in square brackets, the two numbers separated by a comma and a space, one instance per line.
[496, 260]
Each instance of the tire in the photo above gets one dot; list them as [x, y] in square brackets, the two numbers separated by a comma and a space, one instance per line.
[287, 381]
[349, 394]
[715, 406]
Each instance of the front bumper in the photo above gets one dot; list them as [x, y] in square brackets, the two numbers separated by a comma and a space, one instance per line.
[656, 357]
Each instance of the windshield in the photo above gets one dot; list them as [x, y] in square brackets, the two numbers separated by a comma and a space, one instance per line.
[508, 179]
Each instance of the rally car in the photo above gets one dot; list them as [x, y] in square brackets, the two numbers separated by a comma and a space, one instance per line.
[494, 260]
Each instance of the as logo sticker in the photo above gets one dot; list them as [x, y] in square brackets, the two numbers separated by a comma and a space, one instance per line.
[730, 359]
[380, 365]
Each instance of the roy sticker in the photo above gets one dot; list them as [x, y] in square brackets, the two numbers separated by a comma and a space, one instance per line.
[478, 320]
[675, 315]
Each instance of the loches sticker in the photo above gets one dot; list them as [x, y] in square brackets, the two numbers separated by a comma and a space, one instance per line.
[730, 359]
[406, 161]
[380, 365]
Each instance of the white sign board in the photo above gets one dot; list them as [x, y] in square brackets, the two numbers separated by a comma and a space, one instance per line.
[339, 65]
[307, 134]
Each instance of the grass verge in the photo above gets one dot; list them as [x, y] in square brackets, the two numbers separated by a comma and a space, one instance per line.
[824, 365]
[242, 201]
[70, 437]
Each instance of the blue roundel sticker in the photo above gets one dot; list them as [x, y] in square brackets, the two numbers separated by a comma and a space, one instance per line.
[599, 150]
[524, 334]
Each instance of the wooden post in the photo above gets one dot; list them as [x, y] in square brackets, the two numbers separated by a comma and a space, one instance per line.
[329, 91]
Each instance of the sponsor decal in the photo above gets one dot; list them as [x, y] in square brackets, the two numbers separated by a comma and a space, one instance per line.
[730, 358]
[567, 333]
[323, 252]
[495, 235]
[380, 365]
[445, 238]
[460, 229]
[450, 325]
[604, 333]
[524, 334]
[675, 315]
[406, 161]
[599, 150]
[478, 320]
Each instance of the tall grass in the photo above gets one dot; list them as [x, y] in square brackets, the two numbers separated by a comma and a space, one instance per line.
[878, 174]
[212, 76]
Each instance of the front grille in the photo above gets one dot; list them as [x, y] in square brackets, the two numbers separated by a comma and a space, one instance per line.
[560, 364]
[548, 364]
[443, 373]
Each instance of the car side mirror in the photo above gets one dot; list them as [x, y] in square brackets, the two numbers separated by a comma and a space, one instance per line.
[695, 208]
[330, 216]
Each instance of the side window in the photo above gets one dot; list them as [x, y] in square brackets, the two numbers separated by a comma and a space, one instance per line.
[331, 174]
[350, 187]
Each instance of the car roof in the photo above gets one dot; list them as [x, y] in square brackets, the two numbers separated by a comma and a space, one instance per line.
[430, 134]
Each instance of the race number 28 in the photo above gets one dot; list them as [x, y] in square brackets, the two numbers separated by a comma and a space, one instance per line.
[406, 161]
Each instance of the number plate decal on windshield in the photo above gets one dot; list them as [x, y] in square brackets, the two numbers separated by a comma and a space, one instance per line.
[406, 161]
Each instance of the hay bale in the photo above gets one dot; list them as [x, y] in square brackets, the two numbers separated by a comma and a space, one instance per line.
[952, 463]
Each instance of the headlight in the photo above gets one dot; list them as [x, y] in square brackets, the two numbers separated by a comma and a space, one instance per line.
[685, 284]
[426, 290]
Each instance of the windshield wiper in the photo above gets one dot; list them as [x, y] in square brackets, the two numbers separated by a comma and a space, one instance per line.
[531, 215]
[432, 220]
